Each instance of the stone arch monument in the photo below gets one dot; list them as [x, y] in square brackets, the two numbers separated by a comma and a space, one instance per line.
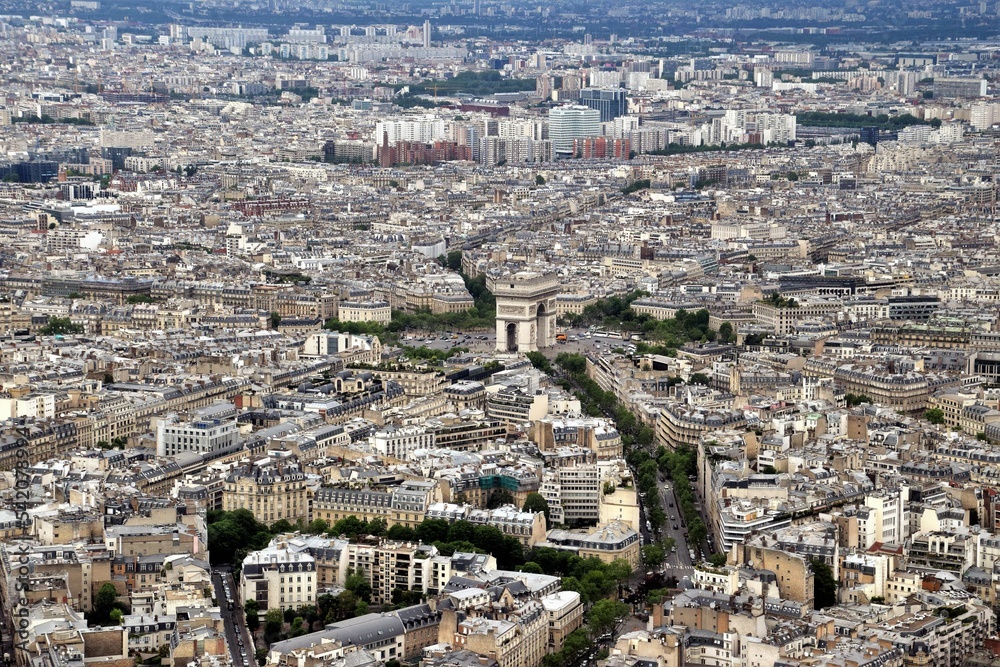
[526, 311]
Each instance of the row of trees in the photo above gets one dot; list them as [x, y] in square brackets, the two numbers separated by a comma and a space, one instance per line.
[665, 336]
[482, 316]
[231, 535]
[595, 402]
[541, 362]
[635, 186]
[474, 83]
[655, 553]
[637, 439]
[647, 481]
[463, 536]
[614, 308]
[635, 435]
[46, 119]
[60, 326]
[430, 354]
[881, 121]
[680, 149]
[678, 466]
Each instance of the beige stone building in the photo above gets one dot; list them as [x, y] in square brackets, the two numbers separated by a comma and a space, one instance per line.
[783, 320]
[527, 527]
[573, 304]
[596, 434]
[621, 505]
[406, 504]
[520, 641]
[273, 489]
[365, 311]
[82, 571]
[564, 610]
[608, 542]
[793, 575]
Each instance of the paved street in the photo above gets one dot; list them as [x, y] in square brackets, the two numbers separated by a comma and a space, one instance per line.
[674, 527]
[678, 563]
[238, 638]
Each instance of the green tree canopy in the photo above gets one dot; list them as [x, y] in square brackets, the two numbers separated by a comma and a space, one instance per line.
[231, 535]
[934, 415]
[461, 531]
[606, 617]
[401, 533]
[653, 556]
[104, 602]
[251, 611]
[825, 586]
[358, 584]
[273, 623]
[318, 527]
[60, 326]
[535, 502]
[540, 361]
[499, 498]
[432, 530]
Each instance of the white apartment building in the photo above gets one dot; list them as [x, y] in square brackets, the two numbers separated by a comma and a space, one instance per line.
[724, 580]
[564, 610]
[391, 565]
[571, 122]
[738, 520]
[204, 433]
[278, 578]
[742, 126]
[400, 443]
[222, 38]
[983, 115]
[573, 494]
[36, 405]
[886, 521]
[426, 129]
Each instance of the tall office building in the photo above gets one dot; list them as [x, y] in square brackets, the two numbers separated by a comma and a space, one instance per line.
[949, 87]
[610, 102]
[427, 34]
[571, 122]
[906, 82]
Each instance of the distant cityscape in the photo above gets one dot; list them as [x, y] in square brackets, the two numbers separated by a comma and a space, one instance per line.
[497, 334]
